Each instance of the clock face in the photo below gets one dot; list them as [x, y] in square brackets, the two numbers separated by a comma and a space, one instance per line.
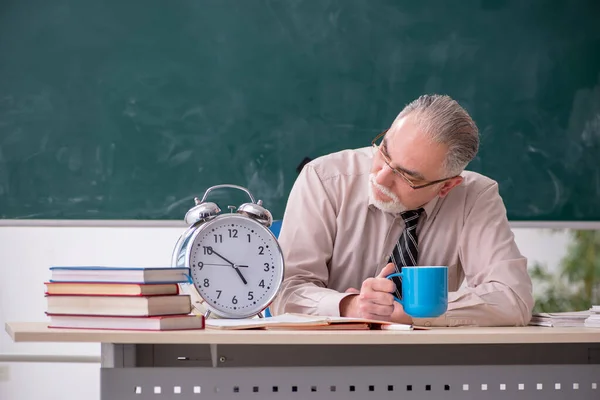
[236, 265]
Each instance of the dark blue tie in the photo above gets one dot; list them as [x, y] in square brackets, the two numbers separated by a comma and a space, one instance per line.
[406, 251]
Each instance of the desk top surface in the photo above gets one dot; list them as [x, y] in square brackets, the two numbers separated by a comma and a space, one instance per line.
[39, 332]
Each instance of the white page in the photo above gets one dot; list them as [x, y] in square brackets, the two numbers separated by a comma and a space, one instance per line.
[284, 319]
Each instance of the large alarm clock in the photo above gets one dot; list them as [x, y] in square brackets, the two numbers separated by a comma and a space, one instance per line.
[235, 262]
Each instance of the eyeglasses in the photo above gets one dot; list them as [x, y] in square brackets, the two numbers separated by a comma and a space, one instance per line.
[413, 183]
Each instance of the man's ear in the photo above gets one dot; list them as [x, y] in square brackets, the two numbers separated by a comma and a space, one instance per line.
[449, 185]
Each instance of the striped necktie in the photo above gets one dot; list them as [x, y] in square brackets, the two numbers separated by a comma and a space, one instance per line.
[406, 251]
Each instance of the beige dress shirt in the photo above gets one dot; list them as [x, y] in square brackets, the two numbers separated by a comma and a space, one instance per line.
[333, 239]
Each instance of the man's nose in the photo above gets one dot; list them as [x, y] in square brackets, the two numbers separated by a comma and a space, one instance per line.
[385, 176]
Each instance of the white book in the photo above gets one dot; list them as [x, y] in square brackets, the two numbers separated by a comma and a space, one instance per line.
[119, 305]
[119, 274]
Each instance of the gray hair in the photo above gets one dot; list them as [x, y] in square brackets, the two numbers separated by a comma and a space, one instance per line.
[447, 123]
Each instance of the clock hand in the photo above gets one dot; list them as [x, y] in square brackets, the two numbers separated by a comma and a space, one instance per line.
[225, 265]
[240, 274]
[211, 250]
[232, 264]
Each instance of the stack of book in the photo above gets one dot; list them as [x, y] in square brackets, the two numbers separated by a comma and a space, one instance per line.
[593, 321]
[133, 298]
[560, 319]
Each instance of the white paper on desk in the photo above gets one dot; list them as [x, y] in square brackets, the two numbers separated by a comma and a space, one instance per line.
[565, 314]
[397, 327]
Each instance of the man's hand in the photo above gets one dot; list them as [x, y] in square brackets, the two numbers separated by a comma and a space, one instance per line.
[375, 300]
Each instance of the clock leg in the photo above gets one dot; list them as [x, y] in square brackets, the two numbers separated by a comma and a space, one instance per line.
[207, 314]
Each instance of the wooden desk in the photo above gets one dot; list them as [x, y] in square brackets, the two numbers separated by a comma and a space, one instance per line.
[444, 363]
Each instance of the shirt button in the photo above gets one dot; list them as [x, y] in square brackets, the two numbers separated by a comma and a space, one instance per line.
[428, 323]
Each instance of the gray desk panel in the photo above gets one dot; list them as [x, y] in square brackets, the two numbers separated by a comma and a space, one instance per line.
[514, 382]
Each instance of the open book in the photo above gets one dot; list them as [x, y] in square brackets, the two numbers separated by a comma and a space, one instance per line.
[302, 322]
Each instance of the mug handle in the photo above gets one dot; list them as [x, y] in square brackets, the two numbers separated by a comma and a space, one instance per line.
[399, 275]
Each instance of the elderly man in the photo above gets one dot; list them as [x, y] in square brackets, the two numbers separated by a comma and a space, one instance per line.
[349, 214]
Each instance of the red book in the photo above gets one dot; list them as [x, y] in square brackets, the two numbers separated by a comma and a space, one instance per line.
[159, 323]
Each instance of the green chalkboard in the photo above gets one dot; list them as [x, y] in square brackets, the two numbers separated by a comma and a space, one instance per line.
[127, 109]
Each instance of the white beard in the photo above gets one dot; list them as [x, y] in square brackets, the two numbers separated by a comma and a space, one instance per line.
[394, 206]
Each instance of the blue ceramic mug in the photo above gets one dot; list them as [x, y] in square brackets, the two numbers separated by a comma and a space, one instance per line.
[424, 290]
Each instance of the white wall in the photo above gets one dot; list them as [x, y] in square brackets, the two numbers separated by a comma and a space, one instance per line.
[26, 253]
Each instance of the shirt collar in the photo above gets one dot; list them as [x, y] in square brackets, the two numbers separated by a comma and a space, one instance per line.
[428, 208]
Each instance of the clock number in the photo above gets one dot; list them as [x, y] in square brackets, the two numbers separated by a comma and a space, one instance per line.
[219, 293]
[261, 250]
[200, 265]
[207, 250]
[218, 239]
[234, 300]
[248, 237]
[206, 283]
[266, 267]
[250, 296]
[232, 233]
[262, 283]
